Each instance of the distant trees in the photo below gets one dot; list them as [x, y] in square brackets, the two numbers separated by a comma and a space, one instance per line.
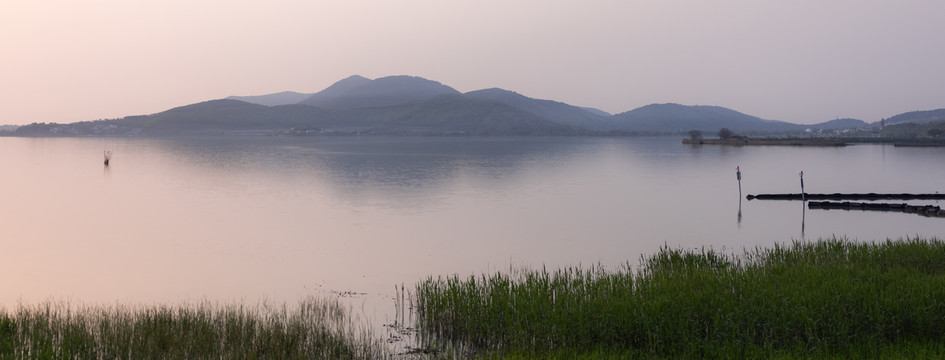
[695, 135]
[725, 133]
[935, 130]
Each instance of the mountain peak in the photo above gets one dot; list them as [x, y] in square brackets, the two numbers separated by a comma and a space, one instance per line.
[678, 117]
[837, 124]
[355, 77]
[360, 92]
[347, 84]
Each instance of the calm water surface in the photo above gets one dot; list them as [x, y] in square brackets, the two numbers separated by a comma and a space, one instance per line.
[240, 219]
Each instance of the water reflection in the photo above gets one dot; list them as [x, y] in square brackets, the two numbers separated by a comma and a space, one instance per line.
[236, 218]
[803, 216]
[739, 212]
[387, 172]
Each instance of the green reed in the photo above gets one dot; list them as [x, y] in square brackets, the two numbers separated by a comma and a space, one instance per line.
[315, 329]
[834, 298]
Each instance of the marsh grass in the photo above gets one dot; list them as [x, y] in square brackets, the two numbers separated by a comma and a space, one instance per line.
[829, 298]
[315, 329]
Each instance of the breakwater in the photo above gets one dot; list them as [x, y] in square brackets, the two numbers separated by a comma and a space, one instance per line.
[924, 210]
[842, 196]
[768, 142]
[827, 142]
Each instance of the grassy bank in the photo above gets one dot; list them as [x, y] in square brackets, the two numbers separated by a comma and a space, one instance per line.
[316, 329]
[829, 299]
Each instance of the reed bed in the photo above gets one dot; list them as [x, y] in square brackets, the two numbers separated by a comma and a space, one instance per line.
[831, 298]
[316, 329]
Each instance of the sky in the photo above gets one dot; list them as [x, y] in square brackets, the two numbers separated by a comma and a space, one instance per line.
[802, 61]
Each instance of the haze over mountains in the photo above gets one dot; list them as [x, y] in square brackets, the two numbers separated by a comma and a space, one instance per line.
[413, 105]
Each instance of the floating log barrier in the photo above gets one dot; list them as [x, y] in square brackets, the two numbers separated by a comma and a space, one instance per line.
[844, 141]
[924, 210]
[839, 196]
[743, 141]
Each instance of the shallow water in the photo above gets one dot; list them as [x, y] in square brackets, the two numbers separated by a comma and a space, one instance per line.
[239, 219]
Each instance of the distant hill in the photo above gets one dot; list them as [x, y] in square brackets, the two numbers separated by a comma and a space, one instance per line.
[282, 98]
[414, 105]
[934, 129]
[457, 113]
[680, 118]
[219, 116]
[919, 117]
[451, 114]
[840, 124]
[356, 92]
[558, 112]
[359, 92]
[337, 91]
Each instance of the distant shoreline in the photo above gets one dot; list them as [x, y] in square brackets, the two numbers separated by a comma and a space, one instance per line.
[828, 142]
[734, 141]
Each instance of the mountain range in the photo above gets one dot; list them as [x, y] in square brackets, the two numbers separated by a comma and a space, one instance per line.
[413, 105]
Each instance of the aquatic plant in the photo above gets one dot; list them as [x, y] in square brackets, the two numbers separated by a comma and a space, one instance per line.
[315, 329]
[833, 298]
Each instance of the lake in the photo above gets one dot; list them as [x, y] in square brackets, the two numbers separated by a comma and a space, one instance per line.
[249, 218]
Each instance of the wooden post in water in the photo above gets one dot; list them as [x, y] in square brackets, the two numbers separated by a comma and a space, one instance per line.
[738, 175]
[802, 186]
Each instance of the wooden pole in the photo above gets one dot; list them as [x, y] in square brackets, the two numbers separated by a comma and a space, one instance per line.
[738, 175]
[802, 186]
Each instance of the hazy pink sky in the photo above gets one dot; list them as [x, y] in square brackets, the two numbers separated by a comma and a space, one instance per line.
[802, 61]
